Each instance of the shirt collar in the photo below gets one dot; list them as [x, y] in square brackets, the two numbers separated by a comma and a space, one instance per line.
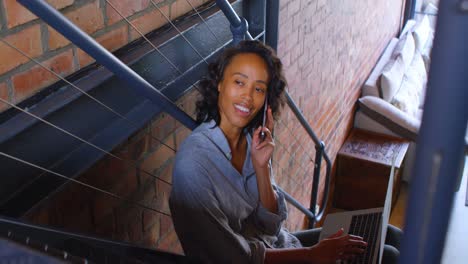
[219, 139]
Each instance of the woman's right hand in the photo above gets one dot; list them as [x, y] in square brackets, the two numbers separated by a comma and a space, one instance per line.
[336, 247]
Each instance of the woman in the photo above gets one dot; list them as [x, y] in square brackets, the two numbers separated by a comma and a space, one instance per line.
[224, 203]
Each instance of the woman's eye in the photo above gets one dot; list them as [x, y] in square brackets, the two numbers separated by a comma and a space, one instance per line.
[239, 83]
[260, 90]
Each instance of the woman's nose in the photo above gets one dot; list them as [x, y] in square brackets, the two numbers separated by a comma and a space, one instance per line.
[248, 94]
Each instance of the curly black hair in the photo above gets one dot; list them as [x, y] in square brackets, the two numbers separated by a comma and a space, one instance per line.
[207, 105]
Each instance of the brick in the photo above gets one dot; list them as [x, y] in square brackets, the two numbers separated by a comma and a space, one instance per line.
[16, 14]
[135, 231]
[168, 239]
[166, 173]
[162, 127]
[88, 18]
[150, 219]
[138, 147]
[147, 193]
[128, 220]
[29, 82]
[187, 102]
[124, 7]
[168, 142]
[4, 96]
[294, 7]
[126, 184]
[115, 39]
[112, 40]
[166, 224]
[103, 205]
[59, 4]
[27, 40]
[115, 170]
[154, 161]
[151, 234]
[149, 22]
[163, 191]
[179, 8]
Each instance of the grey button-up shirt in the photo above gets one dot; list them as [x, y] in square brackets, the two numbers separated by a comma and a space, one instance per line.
[216, 210]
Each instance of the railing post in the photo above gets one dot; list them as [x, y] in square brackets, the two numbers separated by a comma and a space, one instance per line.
[271, 28]
[319, 149]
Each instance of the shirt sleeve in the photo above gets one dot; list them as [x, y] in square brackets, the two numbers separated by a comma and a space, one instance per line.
[270, 223]
[201, 225]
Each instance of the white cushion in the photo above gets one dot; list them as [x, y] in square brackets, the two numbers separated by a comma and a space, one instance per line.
[410, 97]
[390, 80]
[407, 98]
[405, 48]
[418, 73]
[421, 33]
[417, 70]
[426, 51]
[389, 116]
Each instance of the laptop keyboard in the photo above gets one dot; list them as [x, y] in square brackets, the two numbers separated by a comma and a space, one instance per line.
[366, 226]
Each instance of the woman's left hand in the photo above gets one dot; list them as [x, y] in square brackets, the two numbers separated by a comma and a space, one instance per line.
[261, 151]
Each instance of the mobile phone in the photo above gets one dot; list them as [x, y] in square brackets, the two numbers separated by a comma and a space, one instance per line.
[263, 134]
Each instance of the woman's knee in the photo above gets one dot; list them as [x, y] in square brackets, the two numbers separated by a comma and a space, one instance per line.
[393, 237]
[390, 255]
[308, 237]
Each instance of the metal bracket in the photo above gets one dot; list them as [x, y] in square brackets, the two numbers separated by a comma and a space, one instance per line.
[238, 33]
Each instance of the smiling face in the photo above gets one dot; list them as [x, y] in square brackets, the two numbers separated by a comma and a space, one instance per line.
[242, 91]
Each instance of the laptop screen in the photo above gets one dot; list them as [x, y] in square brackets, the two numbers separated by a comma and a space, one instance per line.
[387, 209]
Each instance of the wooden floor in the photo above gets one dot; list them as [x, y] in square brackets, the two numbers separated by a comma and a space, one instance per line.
[397, 217]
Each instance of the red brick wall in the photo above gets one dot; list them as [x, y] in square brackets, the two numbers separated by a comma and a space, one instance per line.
[21, 78]
[328, 49]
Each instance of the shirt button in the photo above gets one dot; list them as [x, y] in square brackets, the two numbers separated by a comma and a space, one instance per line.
[229, 156]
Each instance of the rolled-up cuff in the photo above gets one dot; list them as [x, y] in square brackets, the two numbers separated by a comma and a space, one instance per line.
[270, 222]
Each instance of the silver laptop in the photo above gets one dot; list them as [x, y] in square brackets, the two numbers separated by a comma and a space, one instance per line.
[371, 224]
